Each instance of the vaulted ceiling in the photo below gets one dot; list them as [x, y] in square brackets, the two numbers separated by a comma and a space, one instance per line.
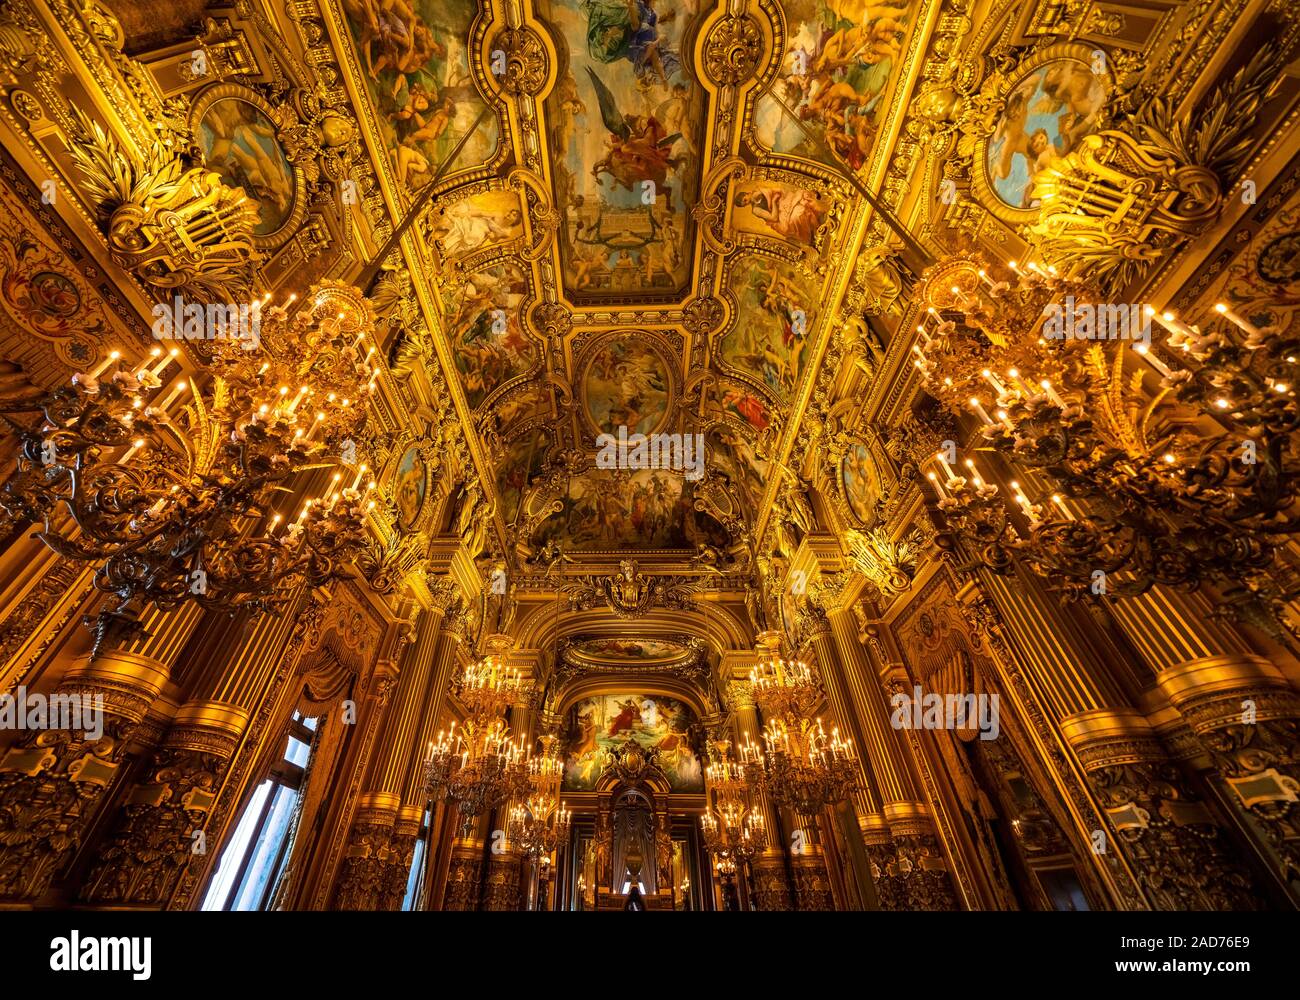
[632, 214]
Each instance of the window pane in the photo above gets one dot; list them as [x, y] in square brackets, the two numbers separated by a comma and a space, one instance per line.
[266, 851]
[298, 752]
[235, 850]
[417, 861]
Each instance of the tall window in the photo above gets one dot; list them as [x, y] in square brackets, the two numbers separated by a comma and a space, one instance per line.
[417, 865]
[253, 860]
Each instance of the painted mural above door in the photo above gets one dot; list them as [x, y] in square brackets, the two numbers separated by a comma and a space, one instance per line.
[601, 724]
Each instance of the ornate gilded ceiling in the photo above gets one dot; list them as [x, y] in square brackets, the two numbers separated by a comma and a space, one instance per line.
[637, 218]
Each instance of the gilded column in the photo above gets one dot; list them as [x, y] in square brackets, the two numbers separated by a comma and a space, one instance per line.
[504, 863]
[163, 823]
[397, 756]
[369, 852]
[913, 860]
[1247, 717]
[1171, 842]
[52, 781]
[465, 869]
[1175, 844]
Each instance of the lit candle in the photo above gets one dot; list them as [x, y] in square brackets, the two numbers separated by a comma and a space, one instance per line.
[144, 365]
[1152, 360]
[1022, 500]
[992, 380]
[1057, 499]
[1021, 384]
[986, 279]
[1006, 423]
[975, 405]
[947, 469]
[165, 360]
[1052, 394]
[179, 388]
[112, 356]
[1232, 317]
[136, 445]
[314, 424]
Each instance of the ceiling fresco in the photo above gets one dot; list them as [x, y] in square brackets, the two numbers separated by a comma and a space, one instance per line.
[626, 120]
[618, 244]
[836, 72]
[415, 60]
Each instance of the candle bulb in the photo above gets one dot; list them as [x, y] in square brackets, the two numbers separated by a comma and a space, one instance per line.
[1236, 320]
[1052, 394]
[179, 388]
[986, 279]
[136, 445]
[1021, 384]
[360, 472]
[163, 359]
[1152, 360]
[144, 365]
[947, 469]
[1060, 502]
[1006, 423]
[992, 380]
[302, 391]
[103, 365]
[975, 405]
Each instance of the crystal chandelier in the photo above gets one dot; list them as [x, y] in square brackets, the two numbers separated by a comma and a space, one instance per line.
[1175, 470]
[540, 823]
[800, 765]
[732, 828]
[171, 488]
[481, 766]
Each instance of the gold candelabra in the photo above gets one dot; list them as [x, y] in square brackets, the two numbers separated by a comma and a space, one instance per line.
[171, 485]
[540, 823]
[482, 766]
[800, 765]
[1161, 463]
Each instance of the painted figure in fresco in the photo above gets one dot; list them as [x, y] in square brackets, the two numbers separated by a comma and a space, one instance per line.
[857, 481]
[841, 63]
[1011, 138]
[792, 212]
[1076, 89]
[629, 29]
[747, 406]
[469, 227]
[675, 114]
[627, 719]
[240, 136]
[638, 147]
